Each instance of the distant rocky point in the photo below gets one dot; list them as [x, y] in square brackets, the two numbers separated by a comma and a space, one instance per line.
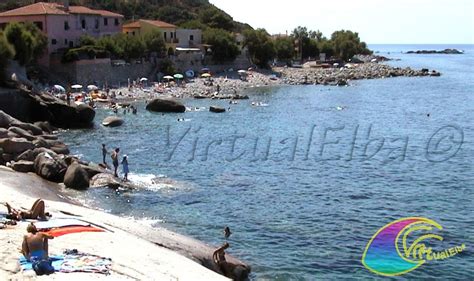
[444, 52]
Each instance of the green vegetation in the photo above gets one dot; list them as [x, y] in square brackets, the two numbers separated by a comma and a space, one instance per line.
[6, 52]
[224, 47]
[120, 46]
[260, 45]
[346, 44]
[28, 41]
[284, 48]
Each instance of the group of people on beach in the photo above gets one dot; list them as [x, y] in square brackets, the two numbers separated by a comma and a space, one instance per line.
[114, 155]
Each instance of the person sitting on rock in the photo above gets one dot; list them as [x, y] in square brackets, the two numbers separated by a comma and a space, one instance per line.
[37, 211]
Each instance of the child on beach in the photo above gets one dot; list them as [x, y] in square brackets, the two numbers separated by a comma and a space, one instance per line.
[125, 167]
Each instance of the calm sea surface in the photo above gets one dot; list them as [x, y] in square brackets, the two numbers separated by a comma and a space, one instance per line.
[306, 181]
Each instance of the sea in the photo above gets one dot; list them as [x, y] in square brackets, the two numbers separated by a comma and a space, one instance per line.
[306, 178]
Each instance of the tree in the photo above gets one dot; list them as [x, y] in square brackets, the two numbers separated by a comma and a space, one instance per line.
[284, 48]
[307, 42]
[346, 44]
[133, 46]
[260, 46]
[6, 52]
[155, 43]
[28, 41]
[224, 47]
[110, 45]
[215, 18]
[87, 40]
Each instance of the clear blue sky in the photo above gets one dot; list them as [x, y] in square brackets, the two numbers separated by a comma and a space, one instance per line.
[377, 21]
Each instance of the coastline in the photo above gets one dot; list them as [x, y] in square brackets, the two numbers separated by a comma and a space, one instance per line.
[232, 87]
[119, 244]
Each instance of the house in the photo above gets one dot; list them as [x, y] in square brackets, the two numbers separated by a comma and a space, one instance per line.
[174, 37]
[64, 24]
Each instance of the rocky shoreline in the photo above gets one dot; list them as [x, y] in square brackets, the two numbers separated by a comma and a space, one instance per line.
[231, 86]
[441, 52]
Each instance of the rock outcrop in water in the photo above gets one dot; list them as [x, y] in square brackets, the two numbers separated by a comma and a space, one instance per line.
[166, 106]
[112, 121]
[442, 52]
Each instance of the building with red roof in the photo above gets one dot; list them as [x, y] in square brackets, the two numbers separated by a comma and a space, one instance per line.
[64, 24]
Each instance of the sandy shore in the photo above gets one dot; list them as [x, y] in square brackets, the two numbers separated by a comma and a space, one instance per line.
[133, 257]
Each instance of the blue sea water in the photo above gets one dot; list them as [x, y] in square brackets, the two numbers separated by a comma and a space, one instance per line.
[305, 182]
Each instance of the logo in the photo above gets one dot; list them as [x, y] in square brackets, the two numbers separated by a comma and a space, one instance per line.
[402, 246]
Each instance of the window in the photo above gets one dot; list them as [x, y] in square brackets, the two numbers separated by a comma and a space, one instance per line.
[65, 42]
[164, 34]
[39, 25]
[191, 37]
[96, 24]
[71, 44]
[133, 33]
[66, 25]
[54, 41]
[83, 24]
[117, 22]
[171, 35]
[106, 21]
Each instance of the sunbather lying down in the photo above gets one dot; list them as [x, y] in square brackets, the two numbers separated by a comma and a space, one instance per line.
[37, 211]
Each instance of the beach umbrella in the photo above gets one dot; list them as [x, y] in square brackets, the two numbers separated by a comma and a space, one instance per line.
[205, 69]
[143, 79]
[178, 76]
[59, 88]
[168, 77]
[206, 75]
[336, 64]
[242, 72]
[189, 74]
[92, 87]
[76, 87]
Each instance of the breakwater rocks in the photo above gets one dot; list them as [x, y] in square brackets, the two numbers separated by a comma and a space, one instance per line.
[442, 52]
[35, 148]
[342, 76]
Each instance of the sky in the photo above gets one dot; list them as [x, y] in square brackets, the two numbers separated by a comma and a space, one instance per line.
[377, 21]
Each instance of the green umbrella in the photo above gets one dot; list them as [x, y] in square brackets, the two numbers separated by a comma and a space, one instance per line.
[178, 76]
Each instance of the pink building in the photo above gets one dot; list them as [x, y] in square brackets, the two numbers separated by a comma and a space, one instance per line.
[64, 24]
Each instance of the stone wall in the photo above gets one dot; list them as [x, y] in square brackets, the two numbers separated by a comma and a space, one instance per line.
[102, 71]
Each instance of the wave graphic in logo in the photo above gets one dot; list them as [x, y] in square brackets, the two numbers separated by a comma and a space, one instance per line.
[382, 254]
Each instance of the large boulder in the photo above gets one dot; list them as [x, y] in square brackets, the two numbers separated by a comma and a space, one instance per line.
[112, 121]
[93, 170]
[3, 133]
[216, 109]
[15, 145]
[105, 180]
[28, 155]
[22, 133]
[60, 148]
[5, 120]
[23, 166]
[45, 126]
[85, 113]
[50, 167]
[33, 129]
[76, 177]
[40, 142]
[165, 105]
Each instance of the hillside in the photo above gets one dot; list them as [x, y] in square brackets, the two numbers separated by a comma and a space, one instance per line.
[186, 13]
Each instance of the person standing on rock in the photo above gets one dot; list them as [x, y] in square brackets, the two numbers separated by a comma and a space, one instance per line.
[104, 154]
[115, 161]
[125, 169]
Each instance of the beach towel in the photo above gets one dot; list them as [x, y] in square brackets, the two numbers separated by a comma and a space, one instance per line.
[74, 261]
[55, 223]
[56, 232]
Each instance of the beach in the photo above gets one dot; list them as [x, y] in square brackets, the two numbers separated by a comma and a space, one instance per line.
[133, 257]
